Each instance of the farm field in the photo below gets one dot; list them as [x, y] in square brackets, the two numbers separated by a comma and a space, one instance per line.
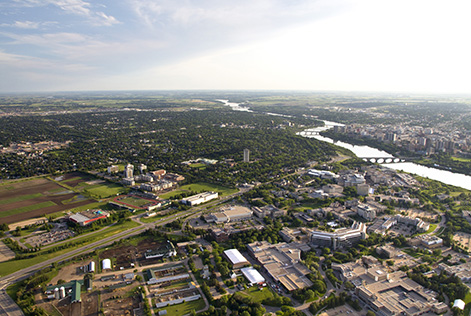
[199, 187]
[90, 186]
[26, 199]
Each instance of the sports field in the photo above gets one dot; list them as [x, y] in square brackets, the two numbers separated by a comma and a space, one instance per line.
[30, 198]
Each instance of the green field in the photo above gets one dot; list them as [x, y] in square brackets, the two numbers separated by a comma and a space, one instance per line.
[256, 294]
[134, 201]
[102, 191]
[20, 198]
[467, 300]
[27, 208]
[15, 265]
[431, 229]
[183, 308]
[199, 187]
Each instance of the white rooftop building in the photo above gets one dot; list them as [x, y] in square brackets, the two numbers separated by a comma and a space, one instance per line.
[106, 264]
[253, 275]
[235, 258]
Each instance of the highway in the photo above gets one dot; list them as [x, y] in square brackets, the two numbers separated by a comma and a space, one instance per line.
[9, 308]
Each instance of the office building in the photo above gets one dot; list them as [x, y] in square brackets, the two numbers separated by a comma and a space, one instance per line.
[129, 171]
[246, 155]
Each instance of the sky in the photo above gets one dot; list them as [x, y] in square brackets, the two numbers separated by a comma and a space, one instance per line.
[319, 45]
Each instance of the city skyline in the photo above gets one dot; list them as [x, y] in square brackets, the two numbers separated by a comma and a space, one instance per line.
[341, 45]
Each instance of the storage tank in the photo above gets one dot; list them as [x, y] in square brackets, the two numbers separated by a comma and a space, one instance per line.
[62, 292]
[56, 293]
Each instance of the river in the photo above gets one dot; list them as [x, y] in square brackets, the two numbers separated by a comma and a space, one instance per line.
[448, 177]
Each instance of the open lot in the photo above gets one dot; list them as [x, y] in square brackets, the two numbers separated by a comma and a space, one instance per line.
[28, 199]
[421, 214]
[128, 253]
[463, 239]
[342, 310]
[120, 301]
[5, 252]
[134, 201]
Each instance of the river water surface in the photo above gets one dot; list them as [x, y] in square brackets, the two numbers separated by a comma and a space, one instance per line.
[448, 177]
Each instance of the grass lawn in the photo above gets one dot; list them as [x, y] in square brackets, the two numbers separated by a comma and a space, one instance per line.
[256, 294]
[412, 253]
[461, 159]
[467, 300]
[15, 265]
[134, 201]
[106, 190]
[96, 205]
[183, 308]
[20, 198]
[199, 187]
[431, 229]
[198, 165]
[27, 208]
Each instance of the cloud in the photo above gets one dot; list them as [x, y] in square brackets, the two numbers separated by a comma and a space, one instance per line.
[26, 24]
[75, 7]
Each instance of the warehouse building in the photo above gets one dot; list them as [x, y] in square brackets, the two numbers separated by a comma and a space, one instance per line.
[236, 259]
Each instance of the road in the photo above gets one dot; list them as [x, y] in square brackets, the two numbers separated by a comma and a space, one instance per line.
[9, 308]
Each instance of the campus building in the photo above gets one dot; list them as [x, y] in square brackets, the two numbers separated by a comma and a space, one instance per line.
[200, 198]
[340, 238]
[282, 262]
[231, 214]
[87, 217]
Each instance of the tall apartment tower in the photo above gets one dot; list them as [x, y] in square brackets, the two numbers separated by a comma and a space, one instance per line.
[129, 171]
[246, 155]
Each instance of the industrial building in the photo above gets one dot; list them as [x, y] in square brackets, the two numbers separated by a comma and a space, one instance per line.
[342, 237]
[165, 250]
[200, 198]
[87, 217]
[282, 262]
[236, 259]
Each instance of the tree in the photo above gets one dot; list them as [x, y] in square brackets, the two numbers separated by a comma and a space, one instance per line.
[370, 313]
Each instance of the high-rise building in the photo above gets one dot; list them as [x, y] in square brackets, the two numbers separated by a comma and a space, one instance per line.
[246, 155]
[142, 167]
[129, 171]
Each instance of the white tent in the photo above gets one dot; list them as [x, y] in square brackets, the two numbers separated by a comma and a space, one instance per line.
[106, 264]
[252, 275]
[459, 304]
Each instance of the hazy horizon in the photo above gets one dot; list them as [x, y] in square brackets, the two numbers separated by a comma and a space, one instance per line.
[365, 46]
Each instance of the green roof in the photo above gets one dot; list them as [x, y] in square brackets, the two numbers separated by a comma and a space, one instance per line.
[76, 289]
